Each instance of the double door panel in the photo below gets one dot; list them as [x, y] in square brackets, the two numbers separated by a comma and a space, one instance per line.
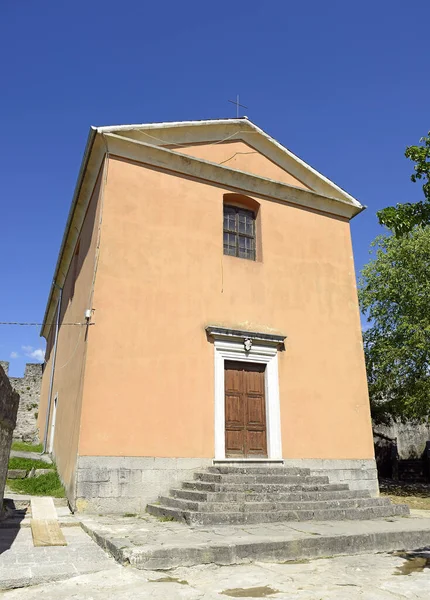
[245, 410]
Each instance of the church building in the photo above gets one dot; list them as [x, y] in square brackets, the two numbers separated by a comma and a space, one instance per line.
[203, 312]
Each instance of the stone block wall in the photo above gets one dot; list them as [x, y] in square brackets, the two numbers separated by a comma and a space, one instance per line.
[126, 484]
[28, 388]
[411, 436]
[9, 401]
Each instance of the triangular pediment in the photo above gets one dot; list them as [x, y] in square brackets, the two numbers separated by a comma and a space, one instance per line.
[236, 144]
[243, 157]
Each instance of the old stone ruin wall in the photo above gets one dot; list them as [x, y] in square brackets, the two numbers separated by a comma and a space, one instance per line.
[402, 450]
[411, 437]
[8, 410]
[28, 388]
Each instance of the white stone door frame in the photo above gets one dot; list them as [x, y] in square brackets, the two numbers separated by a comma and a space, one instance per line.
[263, 350]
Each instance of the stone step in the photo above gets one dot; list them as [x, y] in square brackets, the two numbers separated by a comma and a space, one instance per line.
[248, 462]
[231, 507]
[259, 478]
[308, 496]
[250, 494]
[262, 487]
[278, 543]
[199, 496]
[261, 470]
[234, 518]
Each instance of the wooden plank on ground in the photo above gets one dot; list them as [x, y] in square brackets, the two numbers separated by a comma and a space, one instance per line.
[42, 507]
[47, 532]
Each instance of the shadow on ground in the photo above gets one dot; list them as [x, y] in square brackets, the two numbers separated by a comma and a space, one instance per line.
[9, 527]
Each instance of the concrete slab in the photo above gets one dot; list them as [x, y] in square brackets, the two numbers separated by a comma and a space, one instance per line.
[147, 543]
[20, 520]
[16, 474]
[21, 564]
[26, 498]
[31, 455]
[21, 511]
[364, 577]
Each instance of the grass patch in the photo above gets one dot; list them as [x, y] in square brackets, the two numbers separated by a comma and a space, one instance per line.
[129, 515]
[44, 485]
[415, 502]
[25, 447]
[165, 519]
[415, 494]
[27, 464]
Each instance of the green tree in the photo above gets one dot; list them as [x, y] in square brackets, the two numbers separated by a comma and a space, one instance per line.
[394, 293]
[402, 218]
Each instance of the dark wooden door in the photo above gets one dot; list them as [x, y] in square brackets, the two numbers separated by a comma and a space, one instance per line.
[245, 410]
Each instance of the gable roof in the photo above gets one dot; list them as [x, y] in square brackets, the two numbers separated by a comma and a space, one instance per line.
[182, 133]
[159, 144]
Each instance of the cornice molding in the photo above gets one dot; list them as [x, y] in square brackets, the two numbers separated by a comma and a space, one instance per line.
[203, 170]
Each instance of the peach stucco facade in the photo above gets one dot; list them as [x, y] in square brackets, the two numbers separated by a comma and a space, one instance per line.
[72, 346]
[139, 381]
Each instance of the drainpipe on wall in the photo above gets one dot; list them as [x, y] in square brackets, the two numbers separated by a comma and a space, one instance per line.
[51, 380]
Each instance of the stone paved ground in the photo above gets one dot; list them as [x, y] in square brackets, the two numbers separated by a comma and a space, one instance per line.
[362, 577]
[22, 564]
[149, 543]
[148, 530]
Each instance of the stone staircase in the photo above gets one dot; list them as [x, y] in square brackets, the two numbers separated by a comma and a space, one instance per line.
[266, 494]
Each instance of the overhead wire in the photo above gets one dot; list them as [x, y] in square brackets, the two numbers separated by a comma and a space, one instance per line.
[32, 324]
[208, 144]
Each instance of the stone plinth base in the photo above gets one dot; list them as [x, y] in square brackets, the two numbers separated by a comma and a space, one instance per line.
[126, 484]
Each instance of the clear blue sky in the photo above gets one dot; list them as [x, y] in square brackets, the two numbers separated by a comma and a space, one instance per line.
[345, 85]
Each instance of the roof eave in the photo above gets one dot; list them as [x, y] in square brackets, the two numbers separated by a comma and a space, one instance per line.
[243, 122]
[168, 124]
[53, 292]
[160, 156]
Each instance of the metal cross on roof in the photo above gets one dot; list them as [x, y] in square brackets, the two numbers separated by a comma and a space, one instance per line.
[237, 105]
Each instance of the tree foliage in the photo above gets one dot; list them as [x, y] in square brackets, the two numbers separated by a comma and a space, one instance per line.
[394, 293]
[402, 218]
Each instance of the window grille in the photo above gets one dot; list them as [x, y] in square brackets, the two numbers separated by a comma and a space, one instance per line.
[239, 232]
